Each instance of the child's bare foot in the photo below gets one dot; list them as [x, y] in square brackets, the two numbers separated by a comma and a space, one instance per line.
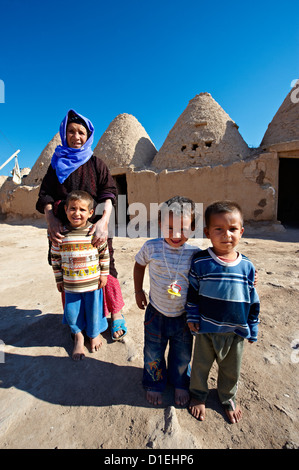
[78, 351]
[117, 331]
[181, 396]
[95, 343]
[197, 409]
[234, 416]
[154, 398]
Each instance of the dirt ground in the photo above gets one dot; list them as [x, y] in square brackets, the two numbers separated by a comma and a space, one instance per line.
[48, 401]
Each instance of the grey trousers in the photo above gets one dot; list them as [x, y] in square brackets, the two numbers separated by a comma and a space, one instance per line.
[227, 350]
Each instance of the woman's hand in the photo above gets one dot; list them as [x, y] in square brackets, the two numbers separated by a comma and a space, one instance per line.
[99, 230]
[55, 227]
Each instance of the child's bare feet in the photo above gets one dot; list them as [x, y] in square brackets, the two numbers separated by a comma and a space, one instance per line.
[181, 396]
[78, 351]
[234, 416]
[95, 343]
[154, 398]
[197, 409]
[117, 331]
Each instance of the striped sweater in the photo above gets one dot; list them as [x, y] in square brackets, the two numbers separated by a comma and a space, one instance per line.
[77, 263]
[221, 295]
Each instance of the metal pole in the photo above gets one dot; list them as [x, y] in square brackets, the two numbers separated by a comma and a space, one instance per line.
[10, 158]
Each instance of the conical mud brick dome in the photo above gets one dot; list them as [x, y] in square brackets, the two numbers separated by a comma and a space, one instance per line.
[284, 127]
[125, 143]
[42, 164]
[203, 135]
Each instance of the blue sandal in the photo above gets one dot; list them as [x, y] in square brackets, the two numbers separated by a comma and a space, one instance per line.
[117, 325]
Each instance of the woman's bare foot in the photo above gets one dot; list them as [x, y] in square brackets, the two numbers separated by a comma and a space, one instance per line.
[197, 409]
[235, 415]
[95, 343]
[154, 398]
[78, 351]
[181, 397]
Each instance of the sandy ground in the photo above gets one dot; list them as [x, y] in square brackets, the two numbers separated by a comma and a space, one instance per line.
[48, 401]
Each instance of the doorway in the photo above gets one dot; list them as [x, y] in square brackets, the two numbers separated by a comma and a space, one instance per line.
[122, 190]
[288, 191]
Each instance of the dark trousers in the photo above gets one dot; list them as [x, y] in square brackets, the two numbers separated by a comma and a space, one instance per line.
[159, 332]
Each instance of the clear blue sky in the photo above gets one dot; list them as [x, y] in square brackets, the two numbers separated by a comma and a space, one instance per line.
[146, 58]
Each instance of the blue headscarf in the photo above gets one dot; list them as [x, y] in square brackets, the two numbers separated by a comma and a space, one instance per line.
[65, 159]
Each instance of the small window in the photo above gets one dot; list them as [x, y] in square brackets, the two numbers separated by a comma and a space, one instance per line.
[194, 146]
[183, 148]
[208, 143]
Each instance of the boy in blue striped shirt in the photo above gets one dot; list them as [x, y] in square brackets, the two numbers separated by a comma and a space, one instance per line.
[222, 307]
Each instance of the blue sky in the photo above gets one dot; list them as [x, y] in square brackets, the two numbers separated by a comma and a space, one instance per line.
[146, 58]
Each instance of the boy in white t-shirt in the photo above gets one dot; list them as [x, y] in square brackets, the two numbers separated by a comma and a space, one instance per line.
[169, 261]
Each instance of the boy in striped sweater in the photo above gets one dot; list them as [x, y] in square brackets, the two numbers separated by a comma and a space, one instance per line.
[222, 307]
[81, 271]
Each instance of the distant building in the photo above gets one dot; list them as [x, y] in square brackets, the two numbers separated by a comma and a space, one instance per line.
[204, 157]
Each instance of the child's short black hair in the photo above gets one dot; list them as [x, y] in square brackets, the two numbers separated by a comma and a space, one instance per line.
[81, 196]
[179, 206]
[219, 207]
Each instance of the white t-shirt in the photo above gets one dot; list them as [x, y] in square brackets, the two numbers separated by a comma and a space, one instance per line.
[166, 266]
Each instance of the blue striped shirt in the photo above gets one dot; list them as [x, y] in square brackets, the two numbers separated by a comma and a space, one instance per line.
[221, 295]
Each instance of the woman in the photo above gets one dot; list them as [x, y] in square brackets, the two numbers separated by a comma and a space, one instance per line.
[73, 166]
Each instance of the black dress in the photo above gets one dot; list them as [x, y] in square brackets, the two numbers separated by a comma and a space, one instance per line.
[93, 177]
